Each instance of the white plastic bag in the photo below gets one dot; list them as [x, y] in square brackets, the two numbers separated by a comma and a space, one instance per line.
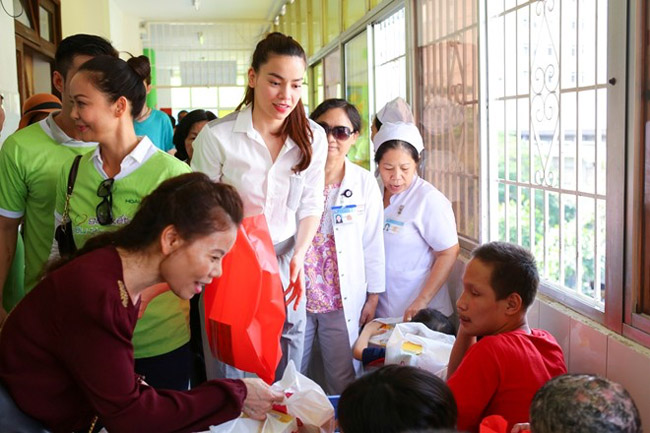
[275, 422]
[416, 345]
[306, 400]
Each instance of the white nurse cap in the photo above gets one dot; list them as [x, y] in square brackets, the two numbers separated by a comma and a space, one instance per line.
[396, 110]
[399, 131]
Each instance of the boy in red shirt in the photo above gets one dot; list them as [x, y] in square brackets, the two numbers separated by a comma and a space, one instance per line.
[499, 374]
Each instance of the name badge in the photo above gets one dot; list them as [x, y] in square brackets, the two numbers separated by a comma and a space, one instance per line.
[393, 226]
[344, 214]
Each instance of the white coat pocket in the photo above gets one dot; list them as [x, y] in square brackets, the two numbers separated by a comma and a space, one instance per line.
[296, 185]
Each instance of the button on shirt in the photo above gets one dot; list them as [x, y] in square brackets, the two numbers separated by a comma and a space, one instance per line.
[230, 150]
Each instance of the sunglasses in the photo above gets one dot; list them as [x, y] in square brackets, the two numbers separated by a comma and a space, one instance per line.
[338, 132]
[104, 209]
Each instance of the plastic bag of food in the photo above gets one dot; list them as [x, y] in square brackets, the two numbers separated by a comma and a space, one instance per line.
[276, 422]
[305, 400]
[416, 345]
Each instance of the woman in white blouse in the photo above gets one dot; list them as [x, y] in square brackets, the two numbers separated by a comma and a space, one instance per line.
[420, 235]
[275, 157]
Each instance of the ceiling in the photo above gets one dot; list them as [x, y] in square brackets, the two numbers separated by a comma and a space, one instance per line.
[209, 10]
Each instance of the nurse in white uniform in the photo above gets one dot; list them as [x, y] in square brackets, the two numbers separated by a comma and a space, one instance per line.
[344, 267]
[275, 157]
[419, 228]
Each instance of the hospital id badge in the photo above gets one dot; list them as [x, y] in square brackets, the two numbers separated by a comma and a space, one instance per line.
[343, 214]
[393, 226]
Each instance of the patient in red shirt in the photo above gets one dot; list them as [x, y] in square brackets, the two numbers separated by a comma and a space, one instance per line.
[499, 374]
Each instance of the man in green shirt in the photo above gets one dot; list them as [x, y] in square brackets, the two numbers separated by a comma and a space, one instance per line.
[31, 161]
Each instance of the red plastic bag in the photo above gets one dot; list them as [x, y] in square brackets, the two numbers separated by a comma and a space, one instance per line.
[496, 424]
[245, 306]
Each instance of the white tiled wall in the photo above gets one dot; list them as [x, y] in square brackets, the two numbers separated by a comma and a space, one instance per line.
[590, 348]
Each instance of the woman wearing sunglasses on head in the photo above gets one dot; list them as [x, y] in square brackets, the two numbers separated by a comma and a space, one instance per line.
[111, 181]
[66, 356]
[344, 267]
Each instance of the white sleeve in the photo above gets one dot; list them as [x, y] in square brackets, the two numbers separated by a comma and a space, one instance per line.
[208, 154]
[311, 201]
[437, 223]
[54, 250]
[373, 238]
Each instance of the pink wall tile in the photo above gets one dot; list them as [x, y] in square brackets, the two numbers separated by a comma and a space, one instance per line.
[588, 350]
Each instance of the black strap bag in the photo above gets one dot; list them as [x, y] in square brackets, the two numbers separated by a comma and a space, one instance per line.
[63, 233]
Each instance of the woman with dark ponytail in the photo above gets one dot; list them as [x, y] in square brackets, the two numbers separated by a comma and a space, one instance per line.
[275, 157]
[107, 95]
[153, 123]
[66, 357]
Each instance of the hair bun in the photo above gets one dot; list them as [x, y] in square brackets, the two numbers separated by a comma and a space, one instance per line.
[142, 66]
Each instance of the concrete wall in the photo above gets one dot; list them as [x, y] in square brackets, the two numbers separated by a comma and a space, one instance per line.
[8, 75]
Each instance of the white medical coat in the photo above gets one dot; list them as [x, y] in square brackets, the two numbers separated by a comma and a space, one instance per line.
[359, 244]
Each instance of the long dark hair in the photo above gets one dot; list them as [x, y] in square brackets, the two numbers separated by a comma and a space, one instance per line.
[191, 202]
[114, 77]
[183, 130]
[296, 125]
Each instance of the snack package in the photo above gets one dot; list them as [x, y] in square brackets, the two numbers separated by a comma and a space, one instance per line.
[276, 422]
[416, 345]
[387, 326]
[305, 400]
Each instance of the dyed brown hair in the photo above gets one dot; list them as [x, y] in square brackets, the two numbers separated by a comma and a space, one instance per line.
[296, 125]
[191, 202]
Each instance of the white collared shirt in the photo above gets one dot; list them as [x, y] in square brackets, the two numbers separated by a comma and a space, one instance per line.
[53, 130]
[230, 150]
[138, 156]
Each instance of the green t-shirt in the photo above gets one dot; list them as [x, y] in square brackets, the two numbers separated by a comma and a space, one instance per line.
[165, 324]
[30, 164]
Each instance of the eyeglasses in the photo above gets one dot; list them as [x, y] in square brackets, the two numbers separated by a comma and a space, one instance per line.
[104, 209]
[338, 132]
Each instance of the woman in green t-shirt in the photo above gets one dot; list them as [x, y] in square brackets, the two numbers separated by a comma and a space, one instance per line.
[107, 94]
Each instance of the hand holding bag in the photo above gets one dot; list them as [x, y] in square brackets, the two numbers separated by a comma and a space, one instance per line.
[63, 233]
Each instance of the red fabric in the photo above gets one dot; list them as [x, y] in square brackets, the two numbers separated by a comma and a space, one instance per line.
[245, 306]
[501, 373]
[66, 355]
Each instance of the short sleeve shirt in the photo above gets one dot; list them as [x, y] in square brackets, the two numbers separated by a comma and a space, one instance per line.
[164, 326]
[158, 128]
[30, 165]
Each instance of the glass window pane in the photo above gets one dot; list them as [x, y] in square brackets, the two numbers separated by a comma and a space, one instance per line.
[356, 91]
[354, 10]
[45, 24]
[558, 131]
[204, 97]
[230, 97]
[332, 20]
[390, 58]
[316, 26]
[332, 74]
[447, 93]
[181, 97]
[24, 16]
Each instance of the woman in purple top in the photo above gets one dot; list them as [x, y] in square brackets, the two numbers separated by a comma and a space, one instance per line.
[66, 357]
